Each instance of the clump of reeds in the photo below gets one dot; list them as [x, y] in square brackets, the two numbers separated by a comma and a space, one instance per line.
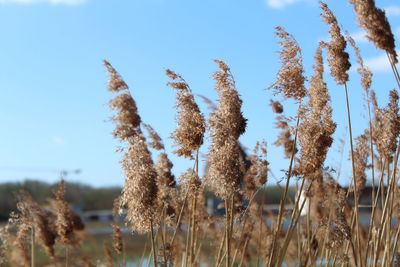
[321, 228]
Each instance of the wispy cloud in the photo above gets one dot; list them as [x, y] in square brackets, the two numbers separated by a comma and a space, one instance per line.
[397, 31]
[52, 2]
[58, 140]
[379, 63]
[392, 11]
[359, 37]
[279, 4]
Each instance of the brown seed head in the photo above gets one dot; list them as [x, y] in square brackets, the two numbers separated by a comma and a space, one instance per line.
[140, 190]
[362, 152]
[191, 123]
[226, 124]
[166, 180]
[374, 21]
[338, 59]
[156, 141]
[386, 125]
[290, 78]
[64, 222]
[317, 127]
[127, 120]
[191, 183]
[365, 72]
[117, 239]
[276, 107]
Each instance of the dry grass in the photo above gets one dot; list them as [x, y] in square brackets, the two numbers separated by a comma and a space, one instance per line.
[180, 231]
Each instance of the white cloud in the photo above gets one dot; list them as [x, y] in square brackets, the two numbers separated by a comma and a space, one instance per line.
[279, 4]
[53, 2]
[359, 37]
[397, 31]
[392, 11]
[58, 140]
[379, 63]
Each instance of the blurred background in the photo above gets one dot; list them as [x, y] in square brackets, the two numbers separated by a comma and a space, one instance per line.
[53, 104]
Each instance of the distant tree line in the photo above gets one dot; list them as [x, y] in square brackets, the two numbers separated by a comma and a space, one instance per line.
[80, 196]
[85, 197]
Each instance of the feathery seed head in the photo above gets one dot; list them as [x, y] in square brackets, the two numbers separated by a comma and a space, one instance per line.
[386, 125]
[156, 141]
[338, 59]
[140, 190]
[365, 72]
[374, 21]
[64, 222]
[117, 239]
[115, 83]
[317, 127]
[290, 78]
[127, 120]
[191, 123]
[226, 124]
[276, 106]
[166, 180]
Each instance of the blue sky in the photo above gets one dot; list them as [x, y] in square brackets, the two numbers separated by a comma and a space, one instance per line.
[53, 106]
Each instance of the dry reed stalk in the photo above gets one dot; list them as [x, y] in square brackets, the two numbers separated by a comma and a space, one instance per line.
[33, 246]
[290, 234]
[163, 244]
[244, 222]
[339, 63]
[144, 252]
[218, 259]
[283, 201]
[117, 241]
[290, 82]
[366, 80]
[178, 220]
[374, 205]
[153, 246]
[227, 233]
[385, 219]
[109, 258]
[192, 236]
[293, 222]
[244, 249]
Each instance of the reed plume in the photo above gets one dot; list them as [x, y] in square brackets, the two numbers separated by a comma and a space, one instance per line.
[155, 140]
[117, 239]
[139, 194]
[361, 154]
[374, 21]
[290, 78]
[386, 126]
[64, 221]
[226, 125]
[338, 59]
[189, 135]
[364, 71]
[285, 138]
[317, 127]
[166, 180]
[127, 120]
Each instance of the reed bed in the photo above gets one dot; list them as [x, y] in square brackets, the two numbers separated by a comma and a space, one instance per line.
[322, 229]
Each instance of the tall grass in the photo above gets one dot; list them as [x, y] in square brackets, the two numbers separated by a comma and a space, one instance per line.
[172, 211]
